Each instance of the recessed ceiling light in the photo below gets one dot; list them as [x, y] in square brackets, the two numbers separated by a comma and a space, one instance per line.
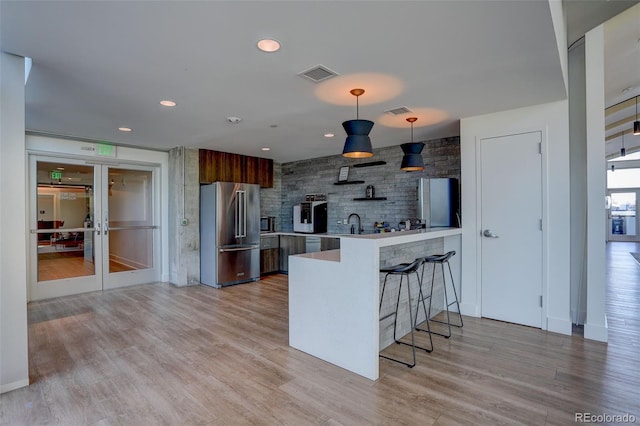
[168, 103]
[60, 168]
[329, 135]
[266, 149]
[268, 45]
[234, 120]
[124, 129]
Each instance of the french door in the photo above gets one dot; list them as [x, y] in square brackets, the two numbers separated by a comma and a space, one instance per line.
[93, 226]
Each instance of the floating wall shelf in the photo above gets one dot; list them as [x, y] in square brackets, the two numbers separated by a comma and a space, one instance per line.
[349, 182]
[370, 199]
[371, 163]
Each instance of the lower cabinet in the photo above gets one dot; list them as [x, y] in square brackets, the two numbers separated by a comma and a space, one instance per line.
[276, 249]
[289, 245]
[269, 261]
[269, 254]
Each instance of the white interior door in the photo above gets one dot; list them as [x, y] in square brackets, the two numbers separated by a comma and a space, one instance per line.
[93, 227]
[511, 227]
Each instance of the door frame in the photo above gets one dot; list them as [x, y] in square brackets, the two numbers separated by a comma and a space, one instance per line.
[160, 181]
[544, 190]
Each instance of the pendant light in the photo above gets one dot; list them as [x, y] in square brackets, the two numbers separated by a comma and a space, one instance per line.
[412, 159]
[623, 151]
[636, 124]
[358, 143]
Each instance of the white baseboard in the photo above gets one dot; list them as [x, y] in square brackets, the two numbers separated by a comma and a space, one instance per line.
[596, 332]
[13, 386]
[470, 310]
[558, 325]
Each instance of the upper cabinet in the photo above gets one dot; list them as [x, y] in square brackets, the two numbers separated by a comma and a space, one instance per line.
[228, 167]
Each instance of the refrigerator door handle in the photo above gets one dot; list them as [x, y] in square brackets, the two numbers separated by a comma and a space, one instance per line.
[244, 213]
[236, 215]
[241, 214]
[223, 250]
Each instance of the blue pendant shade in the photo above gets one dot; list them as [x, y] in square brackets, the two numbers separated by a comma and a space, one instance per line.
[412, 159]
[358, 143]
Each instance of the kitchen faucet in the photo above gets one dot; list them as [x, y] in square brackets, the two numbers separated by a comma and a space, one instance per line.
[359, 223]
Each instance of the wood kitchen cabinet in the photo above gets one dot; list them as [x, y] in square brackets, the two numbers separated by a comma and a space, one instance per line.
[228, 167]
[289, 245]
[269, 254]
[329, 243]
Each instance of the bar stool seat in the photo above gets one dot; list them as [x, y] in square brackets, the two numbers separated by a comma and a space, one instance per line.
[404, 269]
[441, 259]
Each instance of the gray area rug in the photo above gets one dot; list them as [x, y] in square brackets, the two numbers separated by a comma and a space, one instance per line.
[636, 256]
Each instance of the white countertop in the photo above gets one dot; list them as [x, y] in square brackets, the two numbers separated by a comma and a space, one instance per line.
[384, 238]
[327, 255]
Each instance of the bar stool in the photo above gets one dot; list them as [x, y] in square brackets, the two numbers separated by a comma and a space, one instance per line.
[441, 259]
[404, 269]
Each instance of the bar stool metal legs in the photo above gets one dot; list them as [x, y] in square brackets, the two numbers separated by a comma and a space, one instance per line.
[404, 270]
[441, 260]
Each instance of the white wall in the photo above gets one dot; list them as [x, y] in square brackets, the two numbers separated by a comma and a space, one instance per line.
[578, 172]
[552, 119]
[596, 325]
[14, 368]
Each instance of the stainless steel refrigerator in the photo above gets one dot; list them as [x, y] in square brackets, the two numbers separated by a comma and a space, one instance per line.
[438, 202]
[229, 233]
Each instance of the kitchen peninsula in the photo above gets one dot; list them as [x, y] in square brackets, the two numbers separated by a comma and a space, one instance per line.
[334, 295]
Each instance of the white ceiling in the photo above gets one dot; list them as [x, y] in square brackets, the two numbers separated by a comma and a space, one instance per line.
[101, 65]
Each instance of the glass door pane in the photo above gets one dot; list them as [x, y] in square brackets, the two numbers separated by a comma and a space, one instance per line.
[623, 216]
[131, 227]
[64, 208]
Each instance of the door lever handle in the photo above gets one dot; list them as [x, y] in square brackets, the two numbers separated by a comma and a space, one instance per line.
[489, 234]
[97, 228]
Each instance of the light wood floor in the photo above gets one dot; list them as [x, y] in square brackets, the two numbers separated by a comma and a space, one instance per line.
[70, 264]
[157, 354]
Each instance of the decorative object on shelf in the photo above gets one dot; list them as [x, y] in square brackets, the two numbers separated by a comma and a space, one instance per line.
[370, 163]
[370, 192]
[623, 151]
[636, 124]
[315, 197]
[344, 174]
[358, 143]
[412, 159]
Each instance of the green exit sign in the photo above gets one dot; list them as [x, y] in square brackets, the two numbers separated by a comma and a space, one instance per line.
[56, 174]
[105, 150]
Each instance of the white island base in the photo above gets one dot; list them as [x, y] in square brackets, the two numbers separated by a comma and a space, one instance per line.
[334, 295]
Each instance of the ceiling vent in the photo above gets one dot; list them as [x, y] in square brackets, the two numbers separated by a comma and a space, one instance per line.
[318, 73]
[398, 111]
